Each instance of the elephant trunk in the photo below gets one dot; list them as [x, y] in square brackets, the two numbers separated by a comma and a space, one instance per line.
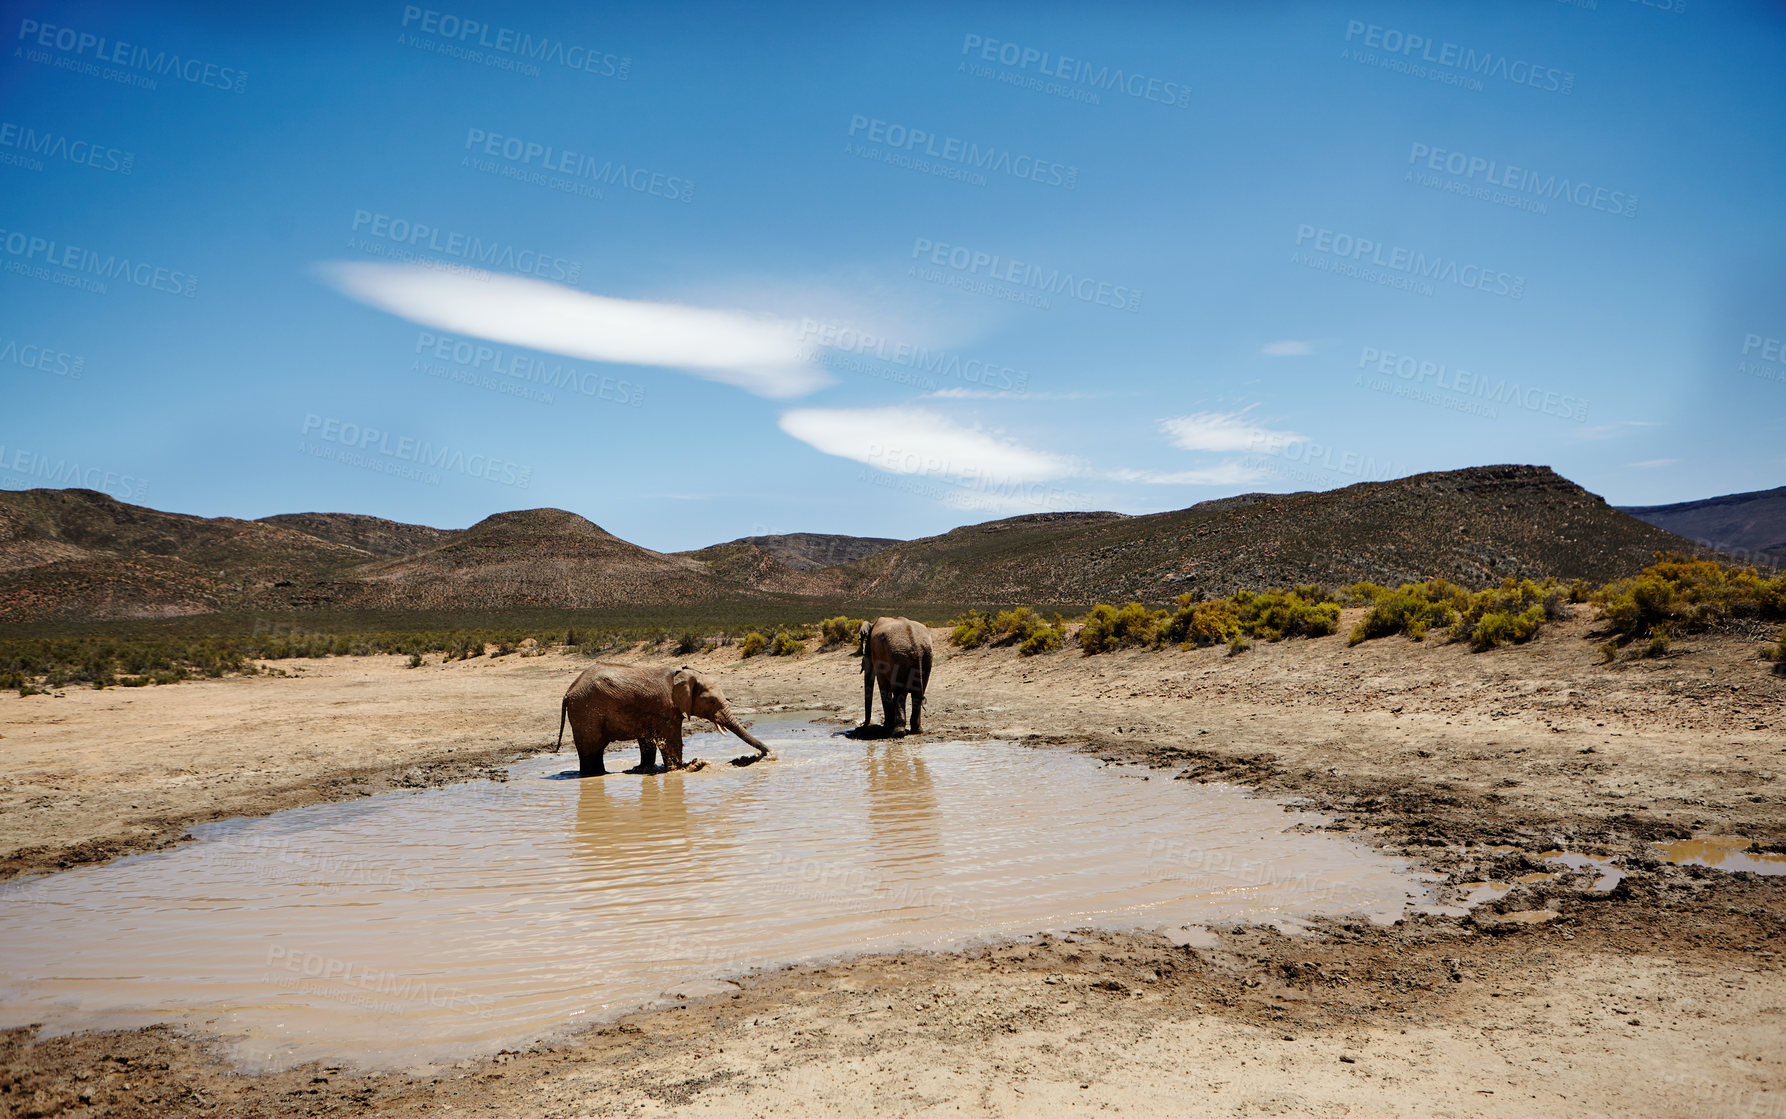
[725, 721]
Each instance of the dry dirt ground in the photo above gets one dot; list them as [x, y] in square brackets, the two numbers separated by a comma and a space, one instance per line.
[1663, 996]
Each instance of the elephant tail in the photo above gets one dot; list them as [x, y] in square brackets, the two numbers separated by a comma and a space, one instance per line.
[564, 706]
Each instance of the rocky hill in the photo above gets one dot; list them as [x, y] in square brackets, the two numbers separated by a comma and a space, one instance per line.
[528, 559]
[1473, 526]
[372, 535]
[795, 563]
[83, 555]
[1751, 526]
[78, 555]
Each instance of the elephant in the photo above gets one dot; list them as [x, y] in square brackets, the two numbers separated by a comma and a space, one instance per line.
[896, 652]
[614, 702]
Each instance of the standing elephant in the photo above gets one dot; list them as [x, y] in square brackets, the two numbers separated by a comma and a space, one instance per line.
[616, 702]
[896, 653]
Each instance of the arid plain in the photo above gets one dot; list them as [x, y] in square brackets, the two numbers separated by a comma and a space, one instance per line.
[1662, 996]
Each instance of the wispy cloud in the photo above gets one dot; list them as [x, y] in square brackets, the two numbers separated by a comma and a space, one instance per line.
[756, 353]
[1609, 431]
[1653, 463]
[903, 440]
[1230, 473]
[1006, 394]
[1287, 348]
[1224, 432]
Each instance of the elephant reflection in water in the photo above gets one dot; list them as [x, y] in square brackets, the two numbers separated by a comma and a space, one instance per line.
[902, 812]
[620, 831]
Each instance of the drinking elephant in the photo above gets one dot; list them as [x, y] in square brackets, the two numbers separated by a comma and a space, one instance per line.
[616, 702]
[896, 654]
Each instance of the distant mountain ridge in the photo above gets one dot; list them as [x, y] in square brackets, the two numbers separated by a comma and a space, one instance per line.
[79, 555]
[1750, 526]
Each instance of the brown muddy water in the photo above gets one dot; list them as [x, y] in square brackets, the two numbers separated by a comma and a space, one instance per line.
[425, 927]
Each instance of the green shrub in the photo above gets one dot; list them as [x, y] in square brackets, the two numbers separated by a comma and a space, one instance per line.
[752, 644]
[1402, 611]
[1021, 627]
[839, 631]
[1777, 651]
[1201, 623]
[1659, 640]
[1501, 628]
[1609, 652]
[1689, 594]
[785, 644]
[1044, 639]
[415, 660]
[971, 630]
[688, 643]
[1275, 615]
[1108, 628]
[1238, 644]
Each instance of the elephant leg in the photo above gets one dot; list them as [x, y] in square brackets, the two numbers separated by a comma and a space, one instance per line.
[917, 723]
[867, 695]
[589, 757]
[892, 716]
[647, 754]
[673, 748]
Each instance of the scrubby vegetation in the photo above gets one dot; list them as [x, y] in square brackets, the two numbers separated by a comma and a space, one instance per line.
[1688, 595]
[1021, 627]
[785, 644]
[838, 631]
[1510, 613]
[1107, 628]
[1304, 611]
[752, 644]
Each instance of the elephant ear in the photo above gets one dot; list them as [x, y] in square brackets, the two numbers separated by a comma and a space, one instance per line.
[862, 638]
[682, 689]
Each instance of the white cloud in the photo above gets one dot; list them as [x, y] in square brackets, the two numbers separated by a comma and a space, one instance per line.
[1652, 463]
[756, 353]
[1229, 473]
[1287, 348]
[1608, 431]
[903, 440]
[1225, 431]
[1005, 394]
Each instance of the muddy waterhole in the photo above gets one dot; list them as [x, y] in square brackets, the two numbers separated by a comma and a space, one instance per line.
[423, 927]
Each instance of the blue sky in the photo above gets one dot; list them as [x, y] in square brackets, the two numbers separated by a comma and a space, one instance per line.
[707, 272]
